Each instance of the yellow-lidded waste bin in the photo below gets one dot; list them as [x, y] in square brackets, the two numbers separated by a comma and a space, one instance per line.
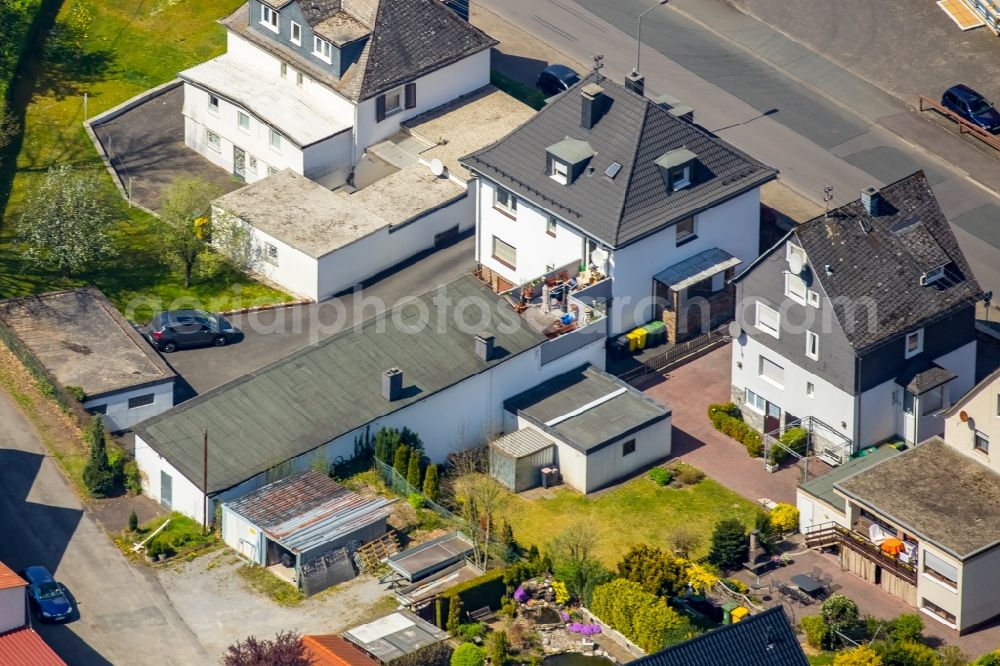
[738, 614]
[640, 337]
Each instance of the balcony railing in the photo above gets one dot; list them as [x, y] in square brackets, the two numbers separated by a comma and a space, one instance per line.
[830, 534]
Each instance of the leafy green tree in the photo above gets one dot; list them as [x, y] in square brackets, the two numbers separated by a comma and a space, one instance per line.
[656, 571]
[401, 460]
[67, 220]
[467, 654]
[413, 469]
[432, 485]
[730, 544]
[499, 648]
[574, 564]
[908, 627]
[841, 616]
[908, 653]
[386, 441]
[98, 476]
[186, 211]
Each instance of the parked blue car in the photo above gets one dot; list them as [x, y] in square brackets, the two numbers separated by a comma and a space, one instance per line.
[972, 106]
[49, 599]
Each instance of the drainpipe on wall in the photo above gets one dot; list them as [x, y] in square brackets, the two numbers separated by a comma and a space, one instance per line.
[475, 183]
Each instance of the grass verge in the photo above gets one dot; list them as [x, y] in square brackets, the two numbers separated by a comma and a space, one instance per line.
[112, 50]
[265, 582]
[183, 537]
[530, 96]
[638, 511]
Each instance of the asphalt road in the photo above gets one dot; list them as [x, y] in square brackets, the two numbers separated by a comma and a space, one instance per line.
[271, 335]
[779, 101]
[124, 615]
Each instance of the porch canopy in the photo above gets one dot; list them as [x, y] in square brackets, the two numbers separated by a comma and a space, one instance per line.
[694, 269]
[920, 376]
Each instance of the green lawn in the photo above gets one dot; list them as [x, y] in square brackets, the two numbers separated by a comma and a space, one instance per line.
[119, 48]
[638, 511]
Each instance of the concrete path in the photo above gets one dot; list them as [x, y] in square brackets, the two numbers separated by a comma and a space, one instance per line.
[688, 391]
[125, 617]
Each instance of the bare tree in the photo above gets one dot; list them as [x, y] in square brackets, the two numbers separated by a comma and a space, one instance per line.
[683, 541]
[479, 498]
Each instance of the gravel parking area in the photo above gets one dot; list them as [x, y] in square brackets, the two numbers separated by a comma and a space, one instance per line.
[220, 608]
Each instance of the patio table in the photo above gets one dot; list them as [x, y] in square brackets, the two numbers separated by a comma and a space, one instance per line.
[807, 584]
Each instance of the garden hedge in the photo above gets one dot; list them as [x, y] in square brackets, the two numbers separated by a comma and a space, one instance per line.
[479, 592]
[726, 418]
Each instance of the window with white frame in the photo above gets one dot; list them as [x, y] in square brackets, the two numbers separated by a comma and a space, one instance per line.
[550, 225]
[791, 248]
[393, 101]
[213, 140]
[771, 371]
[268, 17]
[813, 298]
[505, 201]
[934, 609]
[932, 275]
[271, 253]
[767, 319]
[505, 253]
[213, 103]
[810, 390]
[284, 69]
[275, 139]
[680, 177]
[795, 288]
[914, 343]
[296, 33]
[243, 120]
[298, 78]
[755, 402]
[684, 231]
[812, 345]
[322, 49]
[558, 171]
[981, 442]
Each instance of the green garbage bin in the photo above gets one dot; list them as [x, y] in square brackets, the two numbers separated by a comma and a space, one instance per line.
[727, 611]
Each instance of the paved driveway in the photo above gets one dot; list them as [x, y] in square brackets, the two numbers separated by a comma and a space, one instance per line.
[125, 617]
[274, 334]
[688, 391]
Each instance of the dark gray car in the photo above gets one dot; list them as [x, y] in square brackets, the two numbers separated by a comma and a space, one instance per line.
[188, 328]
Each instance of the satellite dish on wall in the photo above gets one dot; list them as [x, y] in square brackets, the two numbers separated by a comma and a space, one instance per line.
[734, 329]
[795, 264]
[963, 416]
[598, 257]
[437, 167]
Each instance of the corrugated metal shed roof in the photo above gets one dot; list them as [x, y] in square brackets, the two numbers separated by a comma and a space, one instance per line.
[308, 509]
[8, 578]
[522, 443]
[395, 635]
[24, 647]
[333, 387]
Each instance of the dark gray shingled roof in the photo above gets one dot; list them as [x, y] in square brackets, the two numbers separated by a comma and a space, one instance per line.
[910, 236]
[920, 375]
[334, 386]
[597, 426]
[936, 493]
[765, 639]
[409, 38]
[634, 132]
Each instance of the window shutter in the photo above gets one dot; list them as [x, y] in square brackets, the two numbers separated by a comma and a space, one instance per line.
[380, 108]
[411, 95]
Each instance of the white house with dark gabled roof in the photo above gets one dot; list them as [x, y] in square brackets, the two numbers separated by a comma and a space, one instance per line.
[605, 186]
[309, 85]
[860, 323]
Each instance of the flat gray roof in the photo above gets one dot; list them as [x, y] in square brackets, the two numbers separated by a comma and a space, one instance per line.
[406, 194]
[822, 486]
[301, 213]
[935, 492]
[81, 339]
[586, 408]
[333, 387]
[395, 635]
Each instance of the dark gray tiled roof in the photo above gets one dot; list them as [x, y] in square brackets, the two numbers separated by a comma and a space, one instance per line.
[597, 426]
[334, 386]
[409, 38]
[920, 375]
[909, 236]
[634, 132]
[935, 492]
[765, 639]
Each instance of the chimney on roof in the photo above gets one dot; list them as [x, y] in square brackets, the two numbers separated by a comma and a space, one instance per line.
[392, 384]
[636, 82]
[593, 102]
[484, 347]
[870, 200]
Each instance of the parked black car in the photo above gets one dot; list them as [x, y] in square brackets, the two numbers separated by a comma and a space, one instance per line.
[972, 106]
[188, 328]
[555, 79]
[49, 599]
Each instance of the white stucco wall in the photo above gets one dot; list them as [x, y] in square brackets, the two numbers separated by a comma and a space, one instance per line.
[962, 362]
[12, 608]
[981, 407]
[828, 403]
[733, 226]
[980, 580]
[186, 497]
[536, 249]
[120, 417]
[940, 593]
[328, 162]
[814, 512]
[433, 90]
[243, 537]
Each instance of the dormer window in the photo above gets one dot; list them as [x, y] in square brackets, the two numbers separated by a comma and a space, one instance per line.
[296, 33]
[677, 168]
[567, 159]
[322, 49]
[268, 17]
[932, 275]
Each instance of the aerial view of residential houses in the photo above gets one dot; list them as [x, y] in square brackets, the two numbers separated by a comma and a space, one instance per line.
[455, 332]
